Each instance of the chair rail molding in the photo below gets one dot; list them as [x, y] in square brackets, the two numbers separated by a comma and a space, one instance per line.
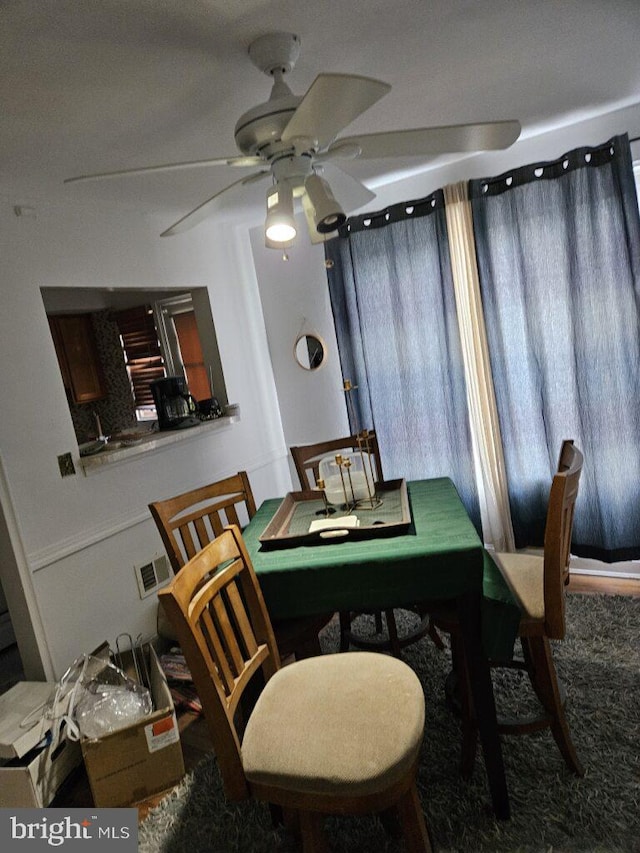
[90, 536]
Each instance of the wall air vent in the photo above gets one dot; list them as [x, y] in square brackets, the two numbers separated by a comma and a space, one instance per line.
[152, 575]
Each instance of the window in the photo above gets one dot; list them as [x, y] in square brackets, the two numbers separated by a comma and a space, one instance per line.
[192, 357]
[178, 329]
[142, 355]
[137, 342]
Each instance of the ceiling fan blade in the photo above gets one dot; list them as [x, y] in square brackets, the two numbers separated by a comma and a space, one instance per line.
[349, 192]
[331, 103]
[432, 140]
[169, 167]
[198, 214]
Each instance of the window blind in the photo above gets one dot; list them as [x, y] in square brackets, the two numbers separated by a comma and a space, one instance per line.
[142, 353]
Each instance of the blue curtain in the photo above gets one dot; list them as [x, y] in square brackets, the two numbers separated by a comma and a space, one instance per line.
[393, 304]
[558, 248]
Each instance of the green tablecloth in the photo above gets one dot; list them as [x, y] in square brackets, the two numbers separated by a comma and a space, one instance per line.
[500, 613]
[440, 557]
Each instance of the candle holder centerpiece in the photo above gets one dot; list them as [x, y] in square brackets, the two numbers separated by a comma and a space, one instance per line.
[348, 478]
[327, 510]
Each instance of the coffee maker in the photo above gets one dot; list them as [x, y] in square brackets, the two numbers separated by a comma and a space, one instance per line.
[176, 408]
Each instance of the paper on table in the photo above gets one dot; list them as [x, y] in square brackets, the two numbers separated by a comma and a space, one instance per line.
[333, 523]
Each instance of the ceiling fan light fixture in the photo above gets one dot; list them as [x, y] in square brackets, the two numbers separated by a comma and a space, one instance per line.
[280, 225]
[328, 215]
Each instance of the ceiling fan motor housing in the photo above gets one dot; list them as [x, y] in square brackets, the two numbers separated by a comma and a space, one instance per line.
[260, 127]
[263, 125]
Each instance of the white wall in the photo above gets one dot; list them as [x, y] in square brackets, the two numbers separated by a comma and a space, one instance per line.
[295, 299]
[81, 536]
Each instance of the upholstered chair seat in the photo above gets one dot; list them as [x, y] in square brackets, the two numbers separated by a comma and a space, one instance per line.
[524, 574]
[346, 755]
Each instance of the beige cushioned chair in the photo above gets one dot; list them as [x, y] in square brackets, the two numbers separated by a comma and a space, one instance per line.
[335, 734]
[538, 585]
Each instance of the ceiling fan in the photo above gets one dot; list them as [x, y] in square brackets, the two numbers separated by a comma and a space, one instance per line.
[294, 139]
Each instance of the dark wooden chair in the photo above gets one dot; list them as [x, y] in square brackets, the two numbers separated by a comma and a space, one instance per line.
[189, 521]
[322, 737]
[538, 585]
[306, 459]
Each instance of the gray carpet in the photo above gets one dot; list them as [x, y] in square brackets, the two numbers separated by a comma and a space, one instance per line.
[552, 811]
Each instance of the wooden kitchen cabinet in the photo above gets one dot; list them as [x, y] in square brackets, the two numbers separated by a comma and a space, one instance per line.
[78, 356]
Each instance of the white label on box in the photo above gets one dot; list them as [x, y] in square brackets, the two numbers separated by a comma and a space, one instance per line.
[162, 733]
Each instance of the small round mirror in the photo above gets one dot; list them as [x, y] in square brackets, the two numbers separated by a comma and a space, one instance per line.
[309, 351]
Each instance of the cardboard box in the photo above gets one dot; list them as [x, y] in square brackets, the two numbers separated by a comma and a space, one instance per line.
[139, 760]
[30, 775]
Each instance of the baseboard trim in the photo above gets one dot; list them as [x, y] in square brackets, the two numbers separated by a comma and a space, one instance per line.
[600, 573]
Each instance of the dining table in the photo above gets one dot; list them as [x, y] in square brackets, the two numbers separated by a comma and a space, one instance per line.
[437, 556]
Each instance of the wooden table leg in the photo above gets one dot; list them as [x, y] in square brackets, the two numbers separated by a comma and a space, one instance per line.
[470, 615]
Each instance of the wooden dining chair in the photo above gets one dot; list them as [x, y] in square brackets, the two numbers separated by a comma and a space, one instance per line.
[306, 459]
[189, 521]
[538, 585]
[322, 737]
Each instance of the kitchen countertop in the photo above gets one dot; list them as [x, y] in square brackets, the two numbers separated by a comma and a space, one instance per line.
[119, 453]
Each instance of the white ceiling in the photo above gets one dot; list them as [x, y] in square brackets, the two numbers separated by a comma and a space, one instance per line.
[100, 85]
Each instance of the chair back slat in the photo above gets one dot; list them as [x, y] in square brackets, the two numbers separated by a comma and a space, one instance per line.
[227, 634]
[232, 515]
[216, 607]
[189, 521]
[202, 533]
[241, 619]
[557, 537]
[186, 540]
[213, 641]
[307, 457]
[216, 522]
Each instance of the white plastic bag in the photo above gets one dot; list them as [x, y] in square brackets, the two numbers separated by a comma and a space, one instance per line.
[98, 698]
